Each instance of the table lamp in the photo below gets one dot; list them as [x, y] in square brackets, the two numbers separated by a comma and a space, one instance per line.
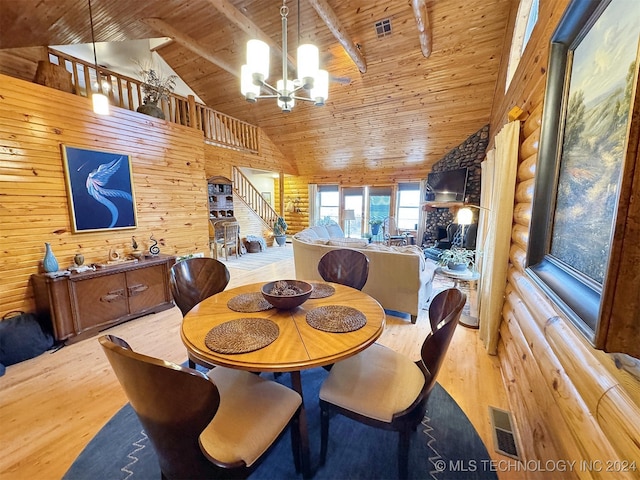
[349, 215]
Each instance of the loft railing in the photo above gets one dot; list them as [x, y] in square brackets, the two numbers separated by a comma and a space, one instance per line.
[253, 198]
[125, 92]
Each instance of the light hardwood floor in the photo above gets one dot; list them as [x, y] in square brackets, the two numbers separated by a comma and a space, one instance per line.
[51, 406]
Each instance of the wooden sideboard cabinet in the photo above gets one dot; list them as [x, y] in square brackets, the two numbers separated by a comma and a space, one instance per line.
[85, 303]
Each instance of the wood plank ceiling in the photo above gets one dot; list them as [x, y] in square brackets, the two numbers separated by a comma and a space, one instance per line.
[395, 120]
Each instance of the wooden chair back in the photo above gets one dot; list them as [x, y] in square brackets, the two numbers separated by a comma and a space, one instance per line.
[195, 279]
[442, 305]
[345, 266]
[435, 346]
[230, 238]
[174, 405]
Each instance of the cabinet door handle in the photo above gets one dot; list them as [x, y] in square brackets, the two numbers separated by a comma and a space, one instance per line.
[113, 296]
[136, 289]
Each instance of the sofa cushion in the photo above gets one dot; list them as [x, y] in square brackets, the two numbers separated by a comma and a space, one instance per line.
[335, 231]
[349, 242]
[307, 235]
[320, 230]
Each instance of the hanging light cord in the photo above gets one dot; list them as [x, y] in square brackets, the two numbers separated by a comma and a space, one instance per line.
[93, 40]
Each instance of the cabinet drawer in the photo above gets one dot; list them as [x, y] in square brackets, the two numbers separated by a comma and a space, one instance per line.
[99, 300]
[146, 288]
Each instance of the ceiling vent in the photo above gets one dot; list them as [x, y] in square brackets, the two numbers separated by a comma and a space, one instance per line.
[383, 28]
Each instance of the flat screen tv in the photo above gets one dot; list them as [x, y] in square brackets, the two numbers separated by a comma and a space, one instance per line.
[448, 186]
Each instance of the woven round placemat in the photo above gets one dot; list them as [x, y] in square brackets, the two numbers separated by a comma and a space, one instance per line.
[248, 303]
[336, 319]
[322, 290]
[242, 335]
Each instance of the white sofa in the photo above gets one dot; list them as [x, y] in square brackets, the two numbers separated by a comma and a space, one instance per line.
[399, 277]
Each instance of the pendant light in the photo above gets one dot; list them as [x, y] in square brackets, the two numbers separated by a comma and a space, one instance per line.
[99, 99]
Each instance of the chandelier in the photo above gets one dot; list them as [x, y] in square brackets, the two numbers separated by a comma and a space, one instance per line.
[311, 78]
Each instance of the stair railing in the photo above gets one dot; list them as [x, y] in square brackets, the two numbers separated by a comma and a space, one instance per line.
[253, 198]
[125, 92]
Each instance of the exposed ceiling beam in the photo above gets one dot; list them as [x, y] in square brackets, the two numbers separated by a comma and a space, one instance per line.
[236, 17]
[424, 26]
[186, 41]
[332, 21]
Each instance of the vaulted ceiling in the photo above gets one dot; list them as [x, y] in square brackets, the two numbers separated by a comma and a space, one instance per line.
[397, 118]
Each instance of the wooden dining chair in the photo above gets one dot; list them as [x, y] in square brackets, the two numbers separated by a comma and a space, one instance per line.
[192, 281]
[384, 389]
[215, 426]
[440, 306]
[344, 266]
[230, 238]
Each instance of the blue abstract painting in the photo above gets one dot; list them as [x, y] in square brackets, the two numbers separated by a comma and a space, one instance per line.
[100, 189]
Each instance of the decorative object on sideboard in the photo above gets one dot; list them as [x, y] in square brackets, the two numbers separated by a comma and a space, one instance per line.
[49, 262]
[78, 259]
[135, 253]
[279, 231]
[155, 88]
[154, 249]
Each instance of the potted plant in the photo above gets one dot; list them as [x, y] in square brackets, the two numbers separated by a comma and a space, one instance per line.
[279, 231]
[375, 225]
[155, 88]
[457, 258]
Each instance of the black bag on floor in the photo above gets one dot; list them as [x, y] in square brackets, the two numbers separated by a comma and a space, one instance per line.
[21, 338]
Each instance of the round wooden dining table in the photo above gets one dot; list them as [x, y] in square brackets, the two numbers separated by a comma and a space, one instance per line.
[298, 345]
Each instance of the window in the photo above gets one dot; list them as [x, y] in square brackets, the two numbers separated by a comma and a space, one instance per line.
[353, 199]
[329, 203]
[527, 19]
[408, 206]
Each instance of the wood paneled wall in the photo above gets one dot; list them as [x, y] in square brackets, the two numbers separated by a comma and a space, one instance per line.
[570, 401]
[168, 177]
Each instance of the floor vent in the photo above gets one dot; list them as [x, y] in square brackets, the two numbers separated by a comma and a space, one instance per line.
[383, 28]
[504, 438]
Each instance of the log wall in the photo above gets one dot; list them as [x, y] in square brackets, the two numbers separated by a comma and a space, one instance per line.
[168, 180]
[570, 401]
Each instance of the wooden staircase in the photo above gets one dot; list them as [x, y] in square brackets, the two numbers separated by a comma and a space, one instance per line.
[245, 190]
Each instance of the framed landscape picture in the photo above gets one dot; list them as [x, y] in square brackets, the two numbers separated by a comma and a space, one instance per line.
[99, 188]
[584, 154]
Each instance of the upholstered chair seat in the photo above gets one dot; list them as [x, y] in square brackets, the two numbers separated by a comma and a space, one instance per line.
[252, 412]
[377, 383]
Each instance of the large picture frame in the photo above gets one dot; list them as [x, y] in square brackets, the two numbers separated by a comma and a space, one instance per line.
[99, 189]
[583, 159]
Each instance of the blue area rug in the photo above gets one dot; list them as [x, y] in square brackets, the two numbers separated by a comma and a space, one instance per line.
[445, 446]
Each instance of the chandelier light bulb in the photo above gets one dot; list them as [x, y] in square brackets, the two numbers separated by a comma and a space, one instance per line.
[248, 88]
[320, 91]
[258, 59]
[308, 64]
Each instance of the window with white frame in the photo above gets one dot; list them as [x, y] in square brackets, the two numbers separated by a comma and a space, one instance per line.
[526, 20]
[328, 203]
[408, 206]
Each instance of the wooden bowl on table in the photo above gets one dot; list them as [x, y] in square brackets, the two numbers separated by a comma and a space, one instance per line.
[286, 294]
